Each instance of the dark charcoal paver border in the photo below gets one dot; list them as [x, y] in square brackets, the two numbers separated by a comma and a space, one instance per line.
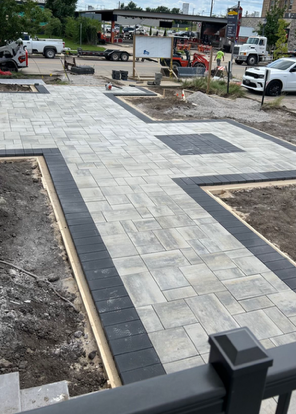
[148, 120]
[277, 263]
[133, 352]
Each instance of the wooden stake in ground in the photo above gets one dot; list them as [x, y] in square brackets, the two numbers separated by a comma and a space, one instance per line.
[210, 69]
[171, 61]
[134, 55]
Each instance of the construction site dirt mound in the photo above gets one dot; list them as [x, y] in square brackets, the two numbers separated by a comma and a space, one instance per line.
[41, 335]
[15, 88]
[269, 210]
[274, 121]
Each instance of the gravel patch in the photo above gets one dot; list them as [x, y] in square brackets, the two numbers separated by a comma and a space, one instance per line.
[240, 109]
[86, 80]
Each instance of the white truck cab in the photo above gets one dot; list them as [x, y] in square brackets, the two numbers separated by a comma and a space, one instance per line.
[46, 47]
[254, 51]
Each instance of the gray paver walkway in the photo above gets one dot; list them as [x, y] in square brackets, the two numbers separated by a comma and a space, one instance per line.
[186, 275]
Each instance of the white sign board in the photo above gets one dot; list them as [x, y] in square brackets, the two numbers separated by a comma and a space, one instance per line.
[153, 47]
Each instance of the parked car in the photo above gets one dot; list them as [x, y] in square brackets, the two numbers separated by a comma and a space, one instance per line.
[109, 29]
[140, 31]
[129, 29]
[130, 33]
[185, 34]
[179, 33]
[282, 77]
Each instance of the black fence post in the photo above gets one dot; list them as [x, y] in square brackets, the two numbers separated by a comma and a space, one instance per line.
[228, 76]
[264, 87]
[283, 403]
[242, 363]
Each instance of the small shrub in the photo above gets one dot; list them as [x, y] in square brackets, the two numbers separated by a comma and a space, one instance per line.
[275, 104]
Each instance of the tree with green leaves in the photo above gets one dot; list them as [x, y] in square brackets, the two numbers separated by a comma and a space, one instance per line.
[90, 27]
[21, 17]
[61, 8]
[54, 27]
[32, 15]
[271, 27]
[130, 6]
[10, 27]
[162, 9]
[281, 46]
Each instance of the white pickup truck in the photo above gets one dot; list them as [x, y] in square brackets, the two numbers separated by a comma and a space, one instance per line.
[46, 47]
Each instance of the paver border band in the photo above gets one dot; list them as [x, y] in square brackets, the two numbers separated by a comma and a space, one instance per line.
[132, 350]
[148, 120]
[276, 262]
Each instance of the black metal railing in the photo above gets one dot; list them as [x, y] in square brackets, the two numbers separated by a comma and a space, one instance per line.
[240, 374]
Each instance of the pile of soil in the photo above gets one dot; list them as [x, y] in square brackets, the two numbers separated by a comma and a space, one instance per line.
[169, 107]
[274, 121]
[41, 336]
[270, 210]
[14, 88]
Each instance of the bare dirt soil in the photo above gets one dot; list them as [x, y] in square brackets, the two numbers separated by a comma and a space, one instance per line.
[41, 336]
[270, 210]
[15, 88]
[46, 78]
[273, 121]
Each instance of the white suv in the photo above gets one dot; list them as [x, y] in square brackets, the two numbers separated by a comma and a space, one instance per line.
[282, 77]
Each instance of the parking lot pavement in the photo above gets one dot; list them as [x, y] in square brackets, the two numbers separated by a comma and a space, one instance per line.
[41, 65]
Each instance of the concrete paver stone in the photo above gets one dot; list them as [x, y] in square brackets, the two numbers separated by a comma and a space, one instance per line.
[186, 274]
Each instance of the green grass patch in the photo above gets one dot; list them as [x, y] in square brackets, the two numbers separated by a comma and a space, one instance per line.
[275, 104]
[217, 87]
[74, 45]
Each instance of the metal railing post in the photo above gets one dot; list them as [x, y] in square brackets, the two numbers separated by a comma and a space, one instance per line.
[283, 403]
[242, 363]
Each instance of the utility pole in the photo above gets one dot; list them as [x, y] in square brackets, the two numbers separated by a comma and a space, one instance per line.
[212, 4]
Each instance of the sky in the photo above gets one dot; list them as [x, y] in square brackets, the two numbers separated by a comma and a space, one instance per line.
[201, 7]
